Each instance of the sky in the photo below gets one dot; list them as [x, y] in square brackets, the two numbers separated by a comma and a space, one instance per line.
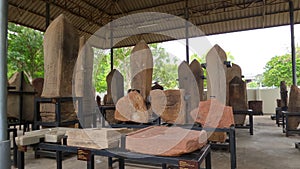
[251, 49]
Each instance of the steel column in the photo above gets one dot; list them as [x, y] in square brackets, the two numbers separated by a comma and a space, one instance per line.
[5, 160]
[294, 70]
[111, 48]
[187, 32]
[47, 14]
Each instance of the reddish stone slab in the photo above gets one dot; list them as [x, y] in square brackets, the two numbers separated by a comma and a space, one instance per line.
[169, 105]
[212, 113]
[132, 108]
[165, 141]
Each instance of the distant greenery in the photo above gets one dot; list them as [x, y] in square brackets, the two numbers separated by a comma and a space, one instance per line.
[279, 68]
[164, 71]
[25, 51]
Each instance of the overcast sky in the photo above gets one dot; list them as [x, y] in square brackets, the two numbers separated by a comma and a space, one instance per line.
[251, 49]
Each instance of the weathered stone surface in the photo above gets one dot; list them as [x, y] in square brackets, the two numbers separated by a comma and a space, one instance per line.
[217, 136]
[37, 84]
[115, 87]
[60, 54]
[13, 100]
[256, 105]
[216, 74]
[238, 98]
[188, 83]
[141, 68]
[294, 106]
[95, 138]
[132, 107]
[165, 141]
[52, 135]
[169, 105]
[198, 74]
[83, 85]
[283, 95]
[233, 71]
[212, 113]
[115, 91]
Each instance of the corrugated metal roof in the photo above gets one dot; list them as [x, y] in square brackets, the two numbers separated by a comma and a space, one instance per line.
[129, 26]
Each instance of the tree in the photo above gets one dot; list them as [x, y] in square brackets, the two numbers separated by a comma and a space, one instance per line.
[279, 68]
[164, 71]
[101, 68]
[25, 51]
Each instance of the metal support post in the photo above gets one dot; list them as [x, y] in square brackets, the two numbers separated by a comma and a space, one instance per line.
[47, 14]
[111, 48]
[187, 32]
[5, 160]
[291, 6]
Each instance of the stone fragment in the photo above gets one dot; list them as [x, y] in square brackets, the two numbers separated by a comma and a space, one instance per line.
[37, 84]
[165, 141]
[169, 105]
[213, 114]
[132, 108]
[95, 138]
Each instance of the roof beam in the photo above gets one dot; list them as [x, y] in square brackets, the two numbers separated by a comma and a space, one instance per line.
[63, 4]
[38, 15]
[148, 8]
[245, 17]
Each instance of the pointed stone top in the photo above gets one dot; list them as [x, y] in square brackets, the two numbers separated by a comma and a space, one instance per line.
[140, 46]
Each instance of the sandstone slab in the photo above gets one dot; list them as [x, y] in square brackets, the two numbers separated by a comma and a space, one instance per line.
[165, 141]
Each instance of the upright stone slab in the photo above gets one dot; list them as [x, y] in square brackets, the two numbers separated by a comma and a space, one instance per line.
[233, 71]
[115, 87]
[83, 82]
[238, 98]
[115, 91]
[188, 83]
[169, 105]
[294, 106]
[198, 74]
[216, 74]
[13, 100]
[216, 81]
[141, 68]
[60, 54]
[37, 84]
[283, 96]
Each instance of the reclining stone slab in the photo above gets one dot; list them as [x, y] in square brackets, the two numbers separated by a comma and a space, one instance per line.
[165, 141]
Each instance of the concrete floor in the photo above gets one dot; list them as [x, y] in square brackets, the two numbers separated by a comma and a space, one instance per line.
[268, 148]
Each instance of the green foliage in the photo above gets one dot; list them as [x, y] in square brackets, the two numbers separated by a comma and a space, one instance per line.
[25, 51]
[252, 85]
[164, 71]
[279, 68]
[165, 67]
[101, 68]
